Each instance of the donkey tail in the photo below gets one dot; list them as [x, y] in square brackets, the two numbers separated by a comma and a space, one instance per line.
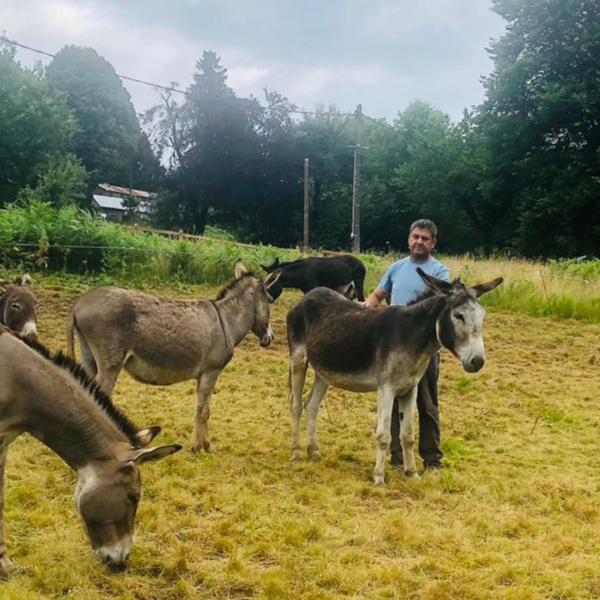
[70, 330]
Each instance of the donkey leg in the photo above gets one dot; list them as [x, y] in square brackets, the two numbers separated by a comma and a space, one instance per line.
[108, 366]
[385, 402]
[107, 375]
[205, 386]
[406, 406]
[312, 408]
[5, 562]
[298, 367]
[87, 357]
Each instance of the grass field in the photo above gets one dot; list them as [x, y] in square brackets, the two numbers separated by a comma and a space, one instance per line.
[515, 514]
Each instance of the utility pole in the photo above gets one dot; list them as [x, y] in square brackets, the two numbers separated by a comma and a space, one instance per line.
[355, 235]
[306, 205]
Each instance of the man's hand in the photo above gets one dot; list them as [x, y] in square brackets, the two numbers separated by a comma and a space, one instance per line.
[375, 299]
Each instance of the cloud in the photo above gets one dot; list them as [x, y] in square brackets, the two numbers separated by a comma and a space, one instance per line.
[395, 18]
[305, 84]
[147, 52]
[430, 49]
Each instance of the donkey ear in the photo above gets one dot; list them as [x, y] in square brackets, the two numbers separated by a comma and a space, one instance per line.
[349, 291]
[484, 288]
[145, 436]
[239, 269]
[271, 278]
[154, 454]
[269, 281]
[26, 279]
[271, 268]
[437, 286]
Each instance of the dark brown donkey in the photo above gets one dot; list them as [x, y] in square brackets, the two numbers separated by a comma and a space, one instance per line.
[388, 350]
[18, 306]
[50, 397]
[344, 274]
[162, 341]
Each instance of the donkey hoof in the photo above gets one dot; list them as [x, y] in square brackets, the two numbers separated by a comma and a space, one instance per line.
[412, 474]
[206, 447]
[379, 480]
[6, 567]
[314, 454]
[296, 456]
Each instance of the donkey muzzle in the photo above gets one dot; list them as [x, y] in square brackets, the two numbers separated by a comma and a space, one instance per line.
[266, 339]
[29, 331]
[115, 556]
[474, 364]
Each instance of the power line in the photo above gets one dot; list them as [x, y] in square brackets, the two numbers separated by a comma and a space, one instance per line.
[169, 88]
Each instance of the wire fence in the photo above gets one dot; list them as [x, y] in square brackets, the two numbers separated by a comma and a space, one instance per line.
[462, 271]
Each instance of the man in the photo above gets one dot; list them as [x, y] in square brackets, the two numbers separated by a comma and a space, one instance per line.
[402, 283]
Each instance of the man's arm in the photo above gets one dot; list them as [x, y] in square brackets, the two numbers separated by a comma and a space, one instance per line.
[443, 273]
[375, 299]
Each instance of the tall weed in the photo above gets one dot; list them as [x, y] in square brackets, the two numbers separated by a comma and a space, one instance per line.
[38, 236]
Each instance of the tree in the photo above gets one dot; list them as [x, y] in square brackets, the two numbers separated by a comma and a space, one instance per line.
[62, 181]
[541, 124]
[35, 126]
[437, 175]
[274, 208]
[109, 140]
[326, 138]
[214, 145]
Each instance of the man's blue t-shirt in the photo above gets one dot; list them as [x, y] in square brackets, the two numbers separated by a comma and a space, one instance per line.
[403, 281]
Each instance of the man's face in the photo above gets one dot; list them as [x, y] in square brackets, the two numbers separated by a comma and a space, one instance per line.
[421, 244]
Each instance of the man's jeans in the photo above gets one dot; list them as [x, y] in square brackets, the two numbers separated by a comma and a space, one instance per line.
[429, 419]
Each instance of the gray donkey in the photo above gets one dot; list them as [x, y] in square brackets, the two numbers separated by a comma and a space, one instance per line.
[18, 306]
[162, 341]
[51, 397]
[388, 350]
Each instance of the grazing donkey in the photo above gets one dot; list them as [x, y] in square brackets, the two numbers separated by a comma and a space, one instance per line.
[344, 274]
[388, 350]
[162, 341]
[18, 306]
[51, 398]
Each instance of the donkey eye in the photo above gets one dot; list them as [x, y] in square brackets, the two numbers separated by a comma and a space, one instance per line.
[460, 317]
[133, 497]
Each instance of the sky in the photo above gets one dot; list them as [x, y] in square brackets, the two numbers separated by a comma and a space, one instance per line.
[381, 54]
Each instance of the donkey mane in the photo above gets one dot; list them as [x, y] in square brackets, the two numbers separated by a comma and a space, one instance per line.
[422, 296]
[90, 385]
[280, 265]
[224, 291]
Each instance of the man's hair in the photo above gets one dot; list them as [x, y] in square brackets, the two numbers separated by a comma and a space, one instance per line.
[425, 224]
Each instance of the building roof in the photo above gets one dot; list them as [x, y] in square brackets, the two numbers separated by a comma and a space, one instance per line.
[116, 203]
[116, 189]
[109, 202]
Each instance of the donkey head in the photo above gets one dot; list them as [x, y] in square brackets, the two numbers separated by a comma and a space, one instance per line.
[459, 325]
[271, 268]
[263, 300]
[108, 495]
[18, 306]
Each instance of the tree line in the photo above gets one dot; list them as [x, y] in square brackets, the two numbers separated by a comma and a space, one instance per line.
[518, 174]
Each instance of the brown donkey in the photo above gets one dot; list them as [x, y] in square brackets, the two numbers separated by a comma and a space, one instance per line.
[388, 350]
[18, 306]
[51, 398]
[162, 341]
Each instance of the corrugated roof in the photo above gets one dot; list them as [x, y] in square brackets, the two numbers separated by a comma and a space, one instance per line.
[115, 203]
[109, 202]
[116, 189]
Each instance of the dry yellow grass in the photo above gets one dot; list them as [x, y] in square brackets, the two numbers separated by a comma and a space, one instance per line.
[514, 515]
